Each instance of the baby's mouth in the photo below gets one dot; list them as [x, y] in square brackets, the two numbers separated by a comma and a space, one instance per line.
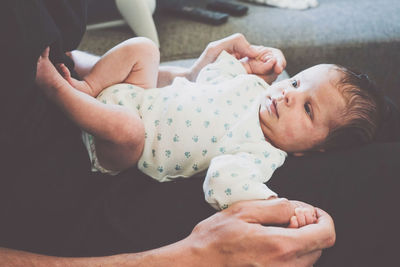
[273, 108]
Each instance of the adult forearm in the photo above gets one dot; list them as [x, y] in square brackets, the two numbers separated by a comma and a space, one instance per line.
[172, 255]
[14, 258]
[235, 236]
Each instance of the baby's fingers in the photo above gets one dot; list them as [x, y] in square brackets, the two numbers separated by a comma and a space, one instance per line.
[301, 216]
[293, 222]
[311, 216]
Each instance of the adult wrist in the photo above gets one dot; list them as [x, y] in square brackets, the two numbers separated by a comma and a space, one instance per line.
[179, 254]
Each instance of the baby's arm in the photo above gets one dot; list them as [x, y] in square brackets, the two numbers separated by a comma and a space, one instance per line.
[133, 61]
[268, 64]
[233, 178]
[225, 67]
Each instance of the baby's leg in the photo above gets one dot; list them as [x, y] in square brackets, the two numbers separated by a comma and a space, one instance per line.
[119, 131]
[134, 61]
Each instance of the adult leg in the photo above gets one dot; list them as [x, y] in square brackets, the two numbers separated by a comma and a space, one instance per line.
[45, 169]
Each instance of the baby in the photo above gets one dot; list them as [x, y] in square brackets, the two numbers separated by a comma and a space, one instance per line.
[226, 121]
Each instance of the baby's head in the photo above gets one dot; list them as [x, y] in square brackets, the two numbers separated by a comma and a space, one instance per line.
[322, 108]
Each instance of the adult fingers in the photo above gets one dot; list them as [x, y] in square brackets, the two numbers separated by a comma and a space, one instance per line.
[302, 241]
[297, 204]
[272, 212]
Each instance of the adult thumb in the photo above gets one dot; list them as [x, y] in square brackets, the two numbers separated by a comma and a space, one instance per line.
[269, 212]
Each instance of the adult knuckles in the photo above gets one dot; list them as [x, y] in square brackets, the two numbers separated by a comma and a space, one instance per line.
[283, 249]
[238, 209]
[330, 237]
[283, 203]
[245, 208]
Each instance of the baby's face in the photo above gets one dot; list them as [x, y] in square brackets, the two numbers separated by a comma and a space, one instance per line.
[297, 113]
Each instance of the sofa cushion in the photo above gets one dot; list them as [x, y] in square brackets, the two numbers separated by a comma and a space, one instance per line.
[362, 34]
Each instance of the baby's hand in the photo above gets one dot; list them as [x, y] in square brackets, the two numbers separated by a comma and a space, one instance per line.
[268, 63]
[304, 214]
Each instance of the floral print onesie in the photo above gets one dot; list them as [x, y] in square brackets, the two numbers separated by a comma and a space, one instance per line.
[211, 124]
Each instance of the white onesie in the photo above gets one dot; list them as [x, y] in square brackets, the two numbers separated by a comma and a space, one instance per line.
[212, 123]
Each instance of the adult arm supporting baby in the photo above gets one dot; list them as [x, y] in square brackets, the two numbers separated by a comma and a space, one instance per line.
[237, 230]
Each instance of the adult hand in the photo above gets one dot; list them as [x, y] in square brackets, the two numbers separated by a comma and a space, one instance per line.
[238, 46]
[238, 236]
[233, 237]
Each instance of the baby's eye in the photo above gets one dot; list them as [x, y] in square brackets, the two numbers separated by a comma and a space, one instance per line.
[307, 108]
[295, 83]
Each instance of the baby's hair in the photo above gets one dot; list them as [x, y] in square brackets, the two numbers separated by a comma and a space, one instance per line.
[362, 116]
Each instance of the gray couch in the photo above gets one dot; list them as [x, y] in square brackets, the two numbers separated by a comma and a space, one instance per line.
[363, 34]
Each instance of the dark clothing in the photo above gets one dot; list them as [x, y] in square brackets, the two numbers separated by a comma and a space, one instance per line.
[51, 203]
[45, 167]
[49, 200]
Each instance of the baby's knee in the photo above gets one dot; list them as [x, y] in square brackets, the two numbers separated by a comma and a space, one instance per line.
[144, 47]
[134, 133]
[132, 139]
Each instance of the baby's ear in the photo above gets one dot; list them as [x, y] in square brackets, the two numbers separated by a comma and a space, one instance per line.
[300, 154]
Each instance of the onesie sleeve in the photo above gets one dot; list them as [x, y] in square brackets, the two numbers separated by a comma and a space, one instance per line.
[233, 178]
[225, 67]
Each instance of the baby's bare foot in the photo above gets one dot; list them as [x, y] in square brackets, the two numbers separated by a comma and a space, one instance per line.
[47, 77]
[64, 71]
[80, 85]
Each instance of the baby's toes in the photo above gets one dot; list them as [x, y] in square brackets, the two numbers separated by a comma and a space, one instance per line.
[64, 71]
